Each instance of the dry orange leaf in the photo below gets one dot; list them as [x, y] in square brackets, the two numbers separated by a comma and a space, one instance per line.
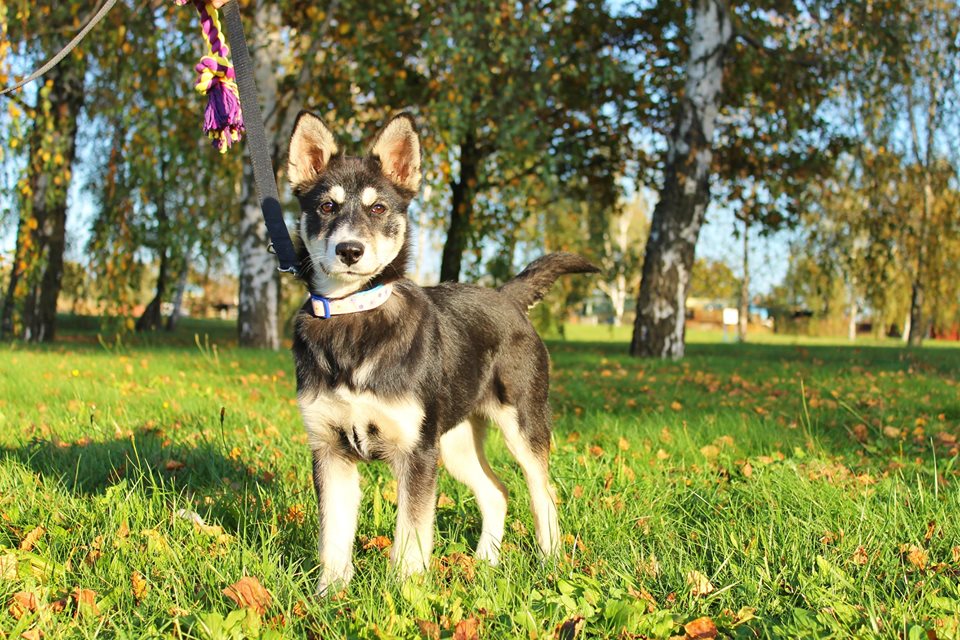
[139, 585]
[445, 501]
[22, 603]
[248, 592]
[699, 584]
[379, 543]
[917, 556]
[676, 406]
[31, 538]
[32, 634]
[468, 629]
[173, 465]
[86, 601]
[700, 629]
[429, 630]
[860, 556]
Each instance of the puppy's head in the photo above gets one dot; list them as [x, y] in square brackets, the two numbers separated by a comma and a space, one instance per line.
[353, 222]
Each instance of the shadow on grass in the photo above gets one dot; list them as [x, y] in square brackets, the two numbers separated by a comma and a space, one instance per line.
[158, 468]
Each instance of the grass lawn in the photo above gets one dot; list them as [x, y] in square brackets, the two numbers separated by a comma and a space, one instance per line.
[780, 490]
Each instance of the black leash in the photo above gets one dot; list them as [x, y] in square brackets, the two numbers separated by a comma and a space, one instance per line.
[55, 60]
[263, 173]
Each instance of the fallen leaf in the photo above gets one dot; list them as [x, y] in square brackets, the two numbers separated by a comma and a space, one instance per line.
[468, 629]
[30, 540]
[430, 630]
[32, 634]
[86, 601]
[445, 501]
[860, 556]
[700, 629]
[955, 552]
[623, 444]
[248, 592]
[710, 451]
[892, 432]
[379, 543]
[173, 465]
[465, 562]
[746, 470]
[699, 584]
[917, 556]
[139, 585]
[22, 603]
[570, 629]
[676, 406]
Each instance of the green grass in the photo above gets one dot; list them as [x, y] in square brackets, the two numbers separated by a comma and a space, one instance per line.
[794, 478]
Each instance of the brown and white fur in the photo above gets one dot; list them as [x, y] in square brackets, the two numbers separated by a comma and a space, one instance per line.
[416, 380]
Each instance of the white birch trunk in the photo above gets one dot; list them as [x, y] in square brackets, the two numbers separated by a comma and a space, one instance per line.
[659, 330]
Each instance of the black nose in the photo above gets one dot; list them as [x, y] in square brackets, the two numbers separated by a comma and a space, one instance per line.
[349, 252]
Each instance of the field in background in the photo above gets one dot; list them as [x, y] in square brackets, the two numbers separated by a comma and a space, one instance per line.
[771, 490]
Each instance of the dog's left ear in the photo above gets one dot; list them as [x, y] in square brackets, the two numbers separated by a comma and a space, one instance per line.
[398, 148]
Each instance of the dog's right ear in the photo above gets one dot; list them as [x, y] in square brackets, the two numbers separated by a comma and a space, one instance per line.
[311, 147]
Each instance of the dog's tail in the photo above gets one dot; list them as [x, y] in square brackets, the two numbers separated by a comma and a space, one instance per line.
[529, 287]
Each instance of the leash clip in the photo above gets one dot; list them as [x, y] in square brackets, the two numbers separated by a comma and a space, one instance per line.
[326, 306]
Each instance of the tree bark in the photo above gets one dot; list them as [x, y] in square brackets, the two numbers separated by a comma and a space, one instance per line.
[152, 318]
[257, 317]
[743, 315]
[918, 324]
[461, 210]
[37, 273]
[659, 330]
[178, 294]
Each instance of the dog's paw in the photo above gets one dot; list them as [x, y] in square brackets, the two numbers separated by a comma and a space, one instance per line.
[332, 582]
[409, 564]
[488, 550]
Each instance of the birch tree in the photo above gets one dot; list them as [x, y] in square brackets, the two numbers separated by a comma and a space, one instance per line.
[679, 213]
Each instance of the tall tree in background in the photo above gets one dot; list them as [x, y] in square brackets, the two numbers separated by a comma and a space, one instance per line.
[33, 286]
[678, 215]
[756, 73]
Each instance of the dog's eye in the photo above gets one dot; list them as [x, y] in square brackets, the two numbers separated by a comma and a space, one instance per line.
[328, 207]
[377, 208]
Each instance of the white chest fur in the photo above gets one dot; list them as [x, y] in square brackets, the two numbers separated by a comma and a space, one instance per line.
[374, 426]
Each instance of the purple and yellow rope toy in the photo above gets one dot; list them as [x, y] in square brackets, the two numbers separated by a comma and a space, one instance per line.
[222, 120]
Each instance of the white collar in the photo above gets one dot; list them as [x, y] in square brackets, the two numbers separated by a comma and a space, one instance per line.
[359, 301]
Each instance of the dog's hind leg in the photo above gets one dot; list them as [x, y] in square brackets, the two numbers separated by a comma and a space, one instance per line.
[416, 475]
[461, 449]
[337, 483]
[527, 435]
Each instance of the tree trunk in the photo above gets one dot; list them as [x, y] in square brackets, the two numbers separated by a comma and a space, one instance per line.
[257, 317]
[152, 318]
[461, 210]
[852, 323]
[660, 324]
[259, 283]
[918, 326]
[178, 294]
[743, 315]
[37, 272]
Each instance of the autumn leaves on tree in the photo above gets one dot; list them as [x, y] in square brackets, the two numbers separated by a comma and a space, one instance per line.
[542, 124]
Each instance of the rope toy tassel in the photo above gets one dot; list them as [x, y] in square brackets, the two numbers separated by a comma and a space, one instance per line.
[222, 119]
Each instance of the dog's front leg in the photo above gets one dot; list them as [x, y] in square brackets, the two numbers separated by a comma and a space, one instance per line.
[416, 475]
[337, 482]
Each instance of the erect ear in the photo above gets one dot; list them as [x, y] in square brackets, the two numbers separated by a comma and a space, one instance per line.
[398, 148]
[311, 147]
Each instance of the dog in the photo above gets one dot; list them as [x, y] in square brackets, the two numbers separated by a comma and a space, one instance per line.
[388, 370]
